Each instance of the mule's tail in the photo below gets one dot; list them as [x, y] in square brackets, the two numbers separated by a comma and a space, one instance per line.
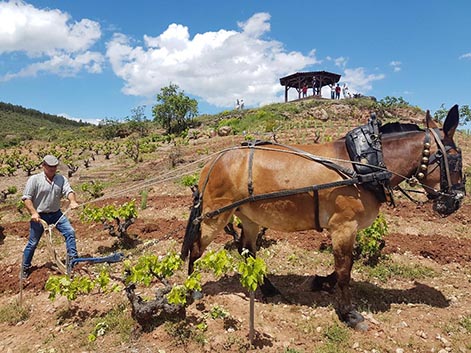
[193, 228]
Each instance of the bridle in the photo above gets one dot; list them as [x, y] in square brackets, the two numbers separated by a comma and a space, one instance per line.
[448, 199]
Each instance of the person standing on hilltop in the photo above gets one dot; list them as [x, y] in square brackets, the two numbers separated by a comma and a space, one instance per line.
[42, 197]
[345, 91]
[337, 91]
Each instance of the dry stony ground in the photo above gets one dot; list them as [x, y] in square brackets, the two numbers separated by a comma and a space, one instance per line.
[418, 299]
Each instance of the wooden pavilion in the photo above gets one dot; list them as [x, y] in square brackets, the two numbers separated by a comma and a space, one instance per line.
[313, 79]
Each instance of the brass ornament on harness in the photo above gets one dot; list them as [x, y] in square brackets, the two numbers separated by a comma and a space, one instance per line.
[424, 162]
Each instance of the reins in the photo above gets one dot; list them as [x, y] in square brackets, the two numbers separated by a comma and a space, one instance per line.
[352, 178]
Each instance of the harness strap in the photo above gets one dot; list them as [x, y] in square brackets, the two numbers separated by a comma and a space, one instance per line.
[278, 194]
[404, 192]
[445, 157]
[316, 211]
[213, 163]
[250, 178]
[250, 187]
[325, 162]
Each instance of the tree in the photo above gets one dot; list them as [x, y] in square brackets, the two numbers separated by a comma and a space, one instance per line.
[174, 109]
[137, 122]
[442, 112]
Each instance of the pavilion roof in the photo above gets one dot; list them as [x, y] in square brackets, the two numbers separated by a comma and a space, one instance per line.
[300, 78]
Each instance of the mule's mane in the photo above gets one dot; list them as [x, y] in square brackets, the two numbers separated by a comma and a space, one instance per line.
[391, 128]
[396, 128]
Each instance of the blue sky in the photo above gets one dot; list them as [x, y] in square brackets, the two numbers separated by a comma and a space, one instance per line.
[99, 59]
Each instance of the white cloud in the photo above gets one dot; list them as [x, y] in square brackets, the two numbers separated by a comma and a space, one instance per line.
[341, 62]
[359, 81]
[396, 65]
[48, 37]
[93, 121]
[63, 65]
[465, 56]
[219, 67]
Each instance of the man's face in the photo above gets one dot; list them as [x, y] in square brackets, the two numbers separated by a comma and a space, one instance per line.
[49, 170]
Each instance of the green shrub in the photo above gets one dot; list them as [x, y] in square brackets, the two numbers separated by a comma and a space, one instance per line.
[190, 179]
[92, 188]
[369, 241]
[393, 102]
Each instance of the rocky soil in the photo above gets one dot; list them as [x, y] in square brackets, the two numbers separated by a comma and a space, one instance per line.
[417, 299]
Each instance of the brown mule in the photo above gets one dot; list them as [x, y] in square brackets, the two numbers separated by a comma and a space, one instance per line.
[228, 185]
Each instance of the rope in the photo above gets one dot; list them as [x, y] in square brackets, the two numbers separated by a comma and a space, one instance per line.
[168, 176]
[339, 160]
[143, 184]
[152, 181]
[52, 252]
[47, 228]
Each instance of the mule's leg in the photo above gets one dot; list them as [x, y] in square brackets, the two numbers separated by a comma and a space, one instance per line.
[343, 241]
[248, 240]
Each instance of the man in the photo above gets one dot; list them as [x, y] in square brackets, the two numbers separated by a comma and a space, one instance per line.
[42, 197]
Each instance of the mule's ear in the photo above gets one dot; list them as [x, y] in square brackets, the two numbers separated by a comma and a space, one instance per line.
[451, 122]
[429, 121]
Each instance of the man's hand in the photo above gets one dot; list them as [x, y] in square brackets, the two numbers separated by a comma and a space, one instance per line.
[35, 217]
[73, 201]
[73, 204]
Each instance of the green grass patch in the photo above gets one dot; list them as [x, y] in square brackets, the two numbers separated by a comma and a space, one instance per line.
[14, 313]
[385, 270]
[337, 338]
[117, 320]
[466, 323]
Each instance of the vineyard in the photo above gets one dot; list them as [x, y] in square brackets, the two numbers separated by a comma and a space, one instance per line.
[136, 197]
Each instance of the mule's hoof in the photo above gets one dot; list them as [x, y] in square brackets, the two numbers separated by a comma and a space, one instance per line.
[354, 320]
[362, 326]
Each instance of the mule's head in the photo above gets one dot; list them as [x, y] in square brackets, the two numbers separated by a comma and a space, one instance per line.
[444, 181]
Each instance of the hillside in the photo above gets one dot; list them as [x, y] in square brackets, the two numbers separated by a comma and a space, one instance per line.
[416, 299]
[20, 124]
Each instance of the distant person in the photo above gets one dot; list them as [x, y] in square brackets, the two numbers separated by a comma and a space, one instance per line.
[237, 104]
[315, 87]
[345, 91]
[332, 91]
[337, 91]
[241, 104]
[42, 197]
[304, 89]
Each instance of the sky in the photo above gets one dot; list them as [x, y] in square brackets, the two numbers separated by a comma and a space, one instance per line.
[101, 59]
